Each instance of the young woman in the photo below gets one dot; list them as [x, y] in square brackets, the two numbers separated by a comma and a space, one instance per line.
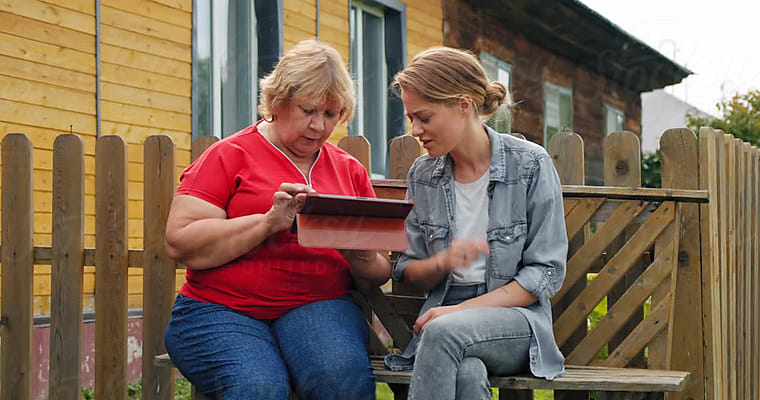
[486, 236]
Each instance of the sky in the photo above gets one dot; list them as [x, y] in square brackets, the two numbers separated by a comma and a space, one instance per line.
[718, 41]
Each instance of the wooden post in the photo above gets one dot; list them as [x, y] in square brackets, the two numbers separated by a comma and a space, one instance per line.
[158, 268]
[67, 273]
[679, 149]
[755, 184]
[622, 167]
[357, 146]
[566, 151]
[17, 269]
[111, 268]
[200, 144]
[404, 150]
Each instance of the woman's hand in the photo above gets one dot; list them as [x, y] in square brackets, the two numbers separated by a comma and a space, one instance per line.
[461, 254]
[432, 314]
[288, 200]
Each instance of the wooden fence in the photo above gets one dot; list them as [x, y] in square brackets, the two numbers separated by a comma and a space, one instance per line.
[628, 238]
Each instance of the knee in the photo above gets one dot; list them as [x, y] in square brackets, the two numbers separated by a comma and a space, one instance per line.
[348, 377]
[251, 385]
[439, 332]
[472, 369]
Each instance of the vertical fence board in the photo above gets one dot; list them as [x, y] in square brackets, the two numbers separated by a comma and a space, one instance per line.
[111, 268]
[680, 164]
[755, 377]
[67, 274]
[622, 167]
[357, 146]
[744, 281]
[710, 240]
[404, 150]
[200, 144]
[566, 151]
[726, 240]
[158, 268]
[17, 269]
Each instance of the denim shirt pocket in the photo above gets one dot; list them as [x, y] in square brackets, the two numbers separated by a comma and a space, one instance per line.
[436, 237]
[505, 249]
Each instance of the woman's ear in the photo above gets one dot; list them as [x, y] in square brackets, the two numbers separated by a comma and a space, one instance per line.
[465, 104]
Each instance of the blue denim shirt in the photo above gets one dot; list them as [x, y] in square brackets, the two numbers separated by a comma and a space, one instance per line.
[526, 236]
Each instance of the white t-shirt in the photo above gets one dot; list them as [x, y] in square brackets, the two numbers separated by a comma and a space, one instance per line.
[471, 219]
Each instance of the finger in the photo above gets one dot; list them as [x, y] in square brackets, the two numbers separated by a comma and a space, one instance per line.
[300, 199]
[282, 197]
[421, 321]
[295, 188]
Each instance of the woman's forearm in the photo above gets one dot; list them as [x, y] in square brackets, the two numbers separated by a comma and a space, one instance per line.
[211, 242]
[371, 266]
[509, 295]
[425, 273]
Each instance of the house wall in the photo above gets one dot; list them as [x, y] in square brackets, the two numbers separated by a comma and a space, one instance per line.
[48, 85]
[424, 20]
[532, 66]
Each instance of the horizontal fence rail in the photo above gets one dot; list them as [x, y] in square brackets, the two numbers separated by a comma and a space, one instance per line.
[677, 267]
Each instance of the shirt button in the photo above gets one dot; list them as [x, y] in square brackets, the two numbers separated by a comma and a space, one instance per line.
[549, 273]
[509, 237]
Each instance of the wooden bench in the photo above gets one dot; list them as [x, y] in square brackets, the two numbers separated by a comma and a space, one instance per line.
[629, 237]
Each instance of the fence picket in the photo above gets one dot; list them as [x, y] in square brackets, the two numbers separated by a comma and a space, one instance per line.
[111, 268]
[17, 269]
[679, 148]
[158, 268]
[67, 272]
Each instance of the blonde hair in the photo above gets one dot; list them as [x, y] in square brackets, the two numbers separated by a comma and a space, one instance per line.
[445, 74]
[312, 70]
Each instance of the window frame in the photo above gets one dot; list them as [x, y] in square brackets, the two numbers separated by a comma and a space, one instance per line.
[617, 111]
[560, 91]
[503, 66]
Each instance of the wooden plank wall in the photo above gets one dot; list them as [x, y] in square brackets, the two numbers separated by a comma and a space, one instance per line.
[48, 85]
[146, 65]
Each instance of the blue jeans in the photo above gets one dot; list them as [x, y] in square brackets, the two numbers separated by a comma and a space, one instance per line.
[458, 350]
[320, 350]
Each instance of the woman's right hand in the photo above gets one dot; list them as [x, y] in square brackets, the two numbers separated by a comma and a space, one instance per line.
[287, 201]
[460, 254]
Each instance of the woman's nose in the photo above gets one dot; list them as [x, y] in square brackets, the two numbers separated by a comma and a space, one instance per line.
[317, 123]
[416, 129]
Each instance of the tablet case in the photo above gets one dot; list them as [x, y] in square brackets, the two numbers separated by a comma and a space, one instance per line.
[353, 223]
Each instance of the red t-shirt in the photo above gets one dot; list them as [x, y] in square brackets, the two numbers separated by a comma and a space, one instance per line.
[240, 175]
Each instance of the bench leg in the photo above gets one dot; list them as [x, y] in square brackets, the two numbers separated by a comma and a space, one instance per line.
[400, 391]
[629, 396]
[571, 395]
[509, 394]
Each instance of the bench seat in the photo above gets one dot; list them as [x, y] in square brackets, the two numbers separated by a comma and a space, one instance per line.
[606, 379]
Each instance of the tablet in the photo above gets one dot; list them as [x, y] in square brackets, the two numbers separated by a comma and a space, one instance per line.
[350, 206]
[346, 222]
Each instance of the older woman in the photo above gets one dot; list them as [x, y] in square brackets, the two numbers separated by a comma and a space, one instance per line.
[259, 314]
[486, 236]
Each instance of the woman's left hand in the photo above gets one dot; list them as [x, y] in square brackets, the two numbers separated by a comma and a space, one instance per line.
[432, 314]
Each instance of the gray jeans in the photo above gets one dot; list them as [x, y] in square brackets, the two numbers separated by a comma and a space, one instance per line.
[457, 351]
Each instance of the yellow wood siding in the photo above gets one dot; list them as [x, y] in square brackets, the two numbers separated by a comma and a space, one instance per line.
[48, 85]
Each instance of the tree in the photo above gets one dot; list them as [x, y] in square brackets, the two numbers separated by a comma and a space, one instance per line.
[740, 116]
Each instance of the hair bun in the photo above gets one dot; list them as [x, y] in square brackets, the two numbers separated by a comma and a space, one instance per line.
[496, 95]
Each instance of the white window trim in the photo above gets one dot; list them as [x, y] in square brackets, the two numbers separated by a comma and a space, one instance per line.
[561, 90]
[505, 66]
[607, 109]
[359, 114]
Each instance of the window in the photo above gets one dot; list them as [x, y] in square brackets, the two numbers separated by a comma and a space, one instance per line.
[498, 70]
[614, 120]
[377, 38]
[558, 110]
[227, 61]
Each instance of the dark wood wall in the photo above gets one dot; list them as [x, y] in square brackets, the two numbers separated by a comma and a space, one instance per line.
[532, 66]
